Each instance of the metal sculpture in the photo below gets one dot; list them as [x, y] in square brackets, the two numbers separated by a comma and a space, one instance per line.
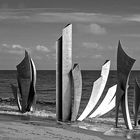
[63, 75]
[124, 65]
[77, 81]
[26, 77]
[98, 87]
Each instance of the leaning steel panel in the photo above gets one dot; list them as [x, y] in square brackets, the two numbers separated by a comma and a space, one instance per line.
[98, 87]
[24, 77]
[32, 92]
[63, 75]
[136, 101]
[77, 81]
[124, 65]
[107, 104]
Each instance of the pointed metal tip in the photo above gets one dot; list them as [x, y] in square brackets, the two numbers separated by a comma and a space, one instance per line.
[76, 64]
[60, 38]
[26, 52]
[106, 61]
[68, 25]
[119, 43]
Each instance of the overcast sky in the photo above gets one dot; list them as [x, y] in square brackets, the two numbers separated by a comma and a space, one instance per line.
[98, 25]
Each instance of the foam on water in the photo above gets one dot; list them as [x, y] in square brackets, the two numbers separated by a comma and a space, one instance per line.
[97, 124]
[13, 110]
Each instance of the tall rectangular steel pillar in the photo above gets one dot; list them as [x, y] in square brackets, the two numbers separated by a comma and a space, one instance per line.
[63, 75]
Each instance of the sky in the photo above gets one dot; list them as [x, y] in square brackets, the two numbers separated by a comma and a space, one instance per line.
[98, 25]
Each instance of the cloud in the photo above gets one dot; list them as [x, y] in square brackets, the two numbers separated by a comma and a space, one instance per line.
[38, 15]
[19, 49]
[57, 16]
[5, 45]
[92, 45]
[135, 18]
[13, 15]
[77, 17]
[14, 49]
[97, 29]
[42, 48]
[91, 28]
[16, 46]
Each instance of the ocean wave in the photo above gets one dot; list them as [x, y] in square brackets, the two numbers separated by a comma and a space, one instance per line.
[46, 102]
[9, 99]
[13, 110]
[12, 100]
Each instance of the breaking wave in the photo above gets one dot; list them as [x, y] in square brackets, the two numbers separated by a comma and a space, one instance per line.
[13, 101]
[13, 110]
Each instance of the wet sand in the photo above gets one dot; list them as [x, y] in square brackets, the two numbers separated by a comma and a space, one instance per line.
[23, 128]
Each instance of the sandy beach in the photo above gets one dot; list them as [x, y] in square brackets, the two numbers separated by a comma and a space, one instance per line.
[12, 128]
[22, 131]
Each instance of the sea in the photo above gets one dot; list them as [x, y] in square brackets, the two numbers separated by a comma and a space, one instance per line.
[45, 107]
